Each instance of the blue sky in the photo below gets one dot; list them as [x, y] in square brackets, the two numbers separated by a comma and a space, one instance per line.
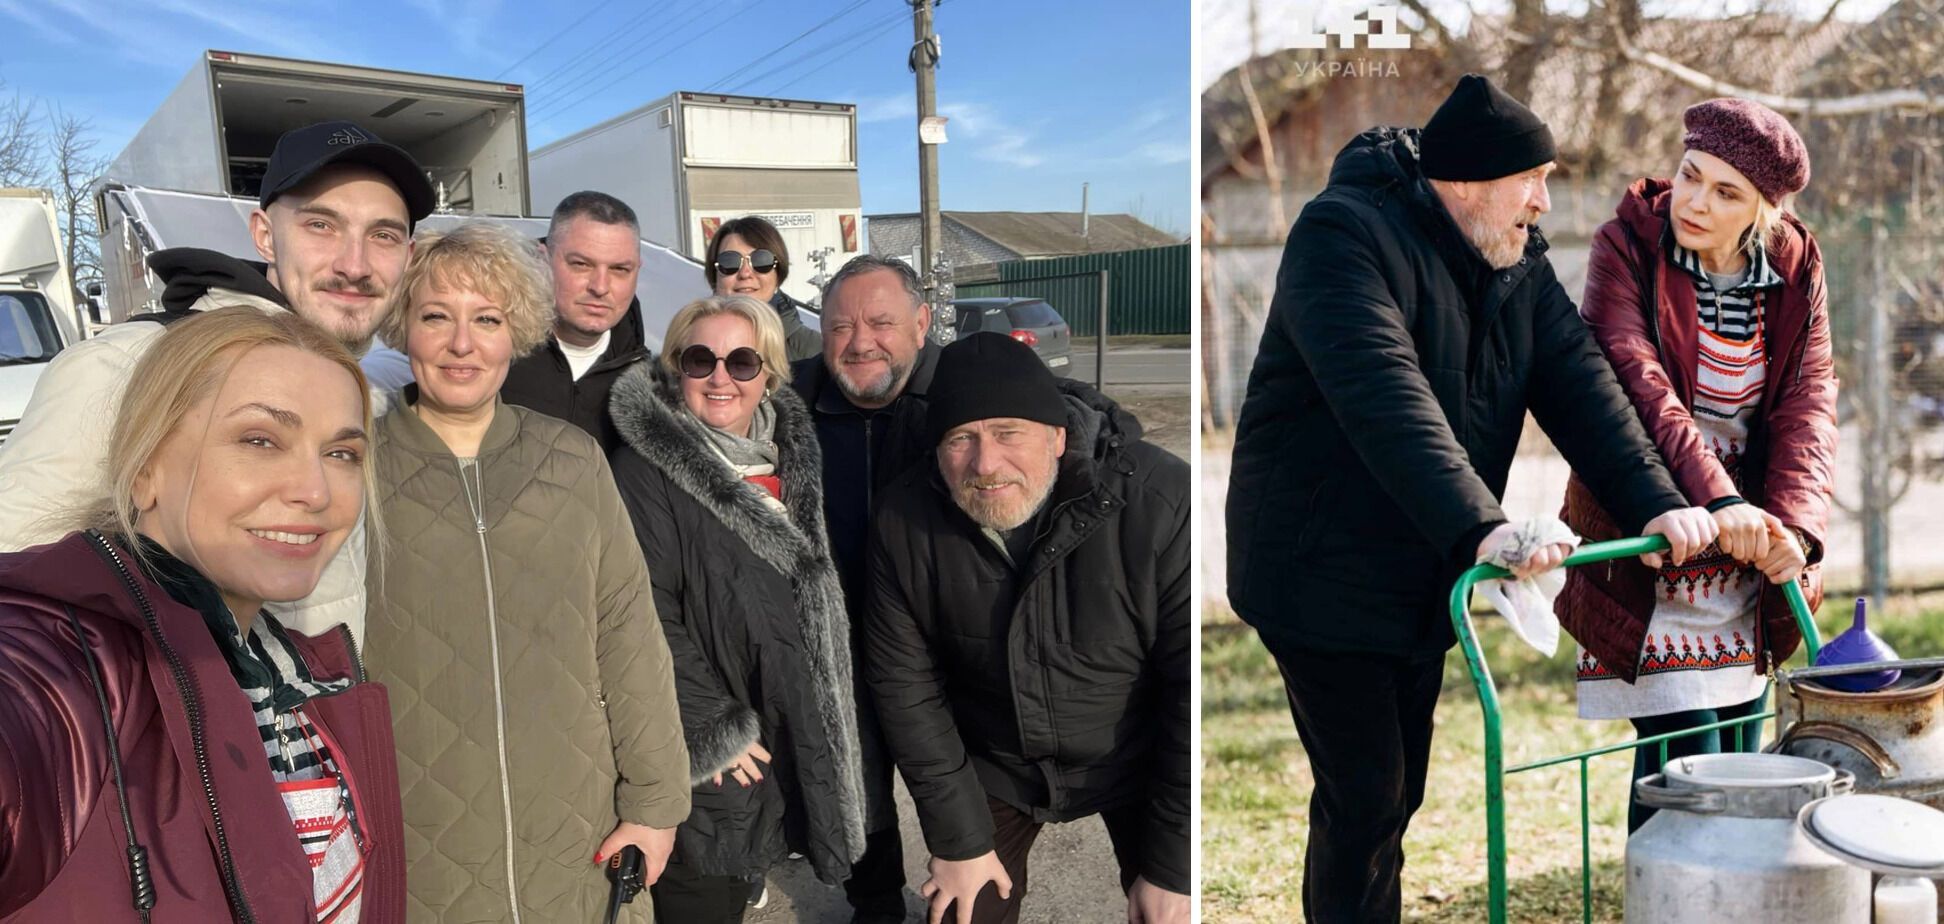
[1043, 94]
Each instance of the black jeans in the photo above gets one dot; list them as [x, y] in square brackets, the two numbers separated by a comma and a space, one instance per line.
[1647, 760]
[684, 897]
[1365, 721]
[876, 884]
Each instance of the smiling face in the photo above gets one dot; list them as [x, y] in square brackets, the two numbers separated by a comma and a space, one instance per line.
[595, 268]
[259, 484]
[1497, 215]
[745, 281]
[719, 400]
[872, 335]
[1000, 470]
[459, 347]
[1713, 205]
[336, 248]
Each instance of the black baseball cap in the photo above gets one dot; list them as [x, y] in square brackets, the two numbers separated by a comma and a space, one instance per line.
[301, 152]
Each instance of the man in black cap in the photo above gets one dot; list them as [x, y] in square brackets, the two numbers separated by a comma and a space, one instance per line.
[1416, 321]
[1027, 634]
[334, 228]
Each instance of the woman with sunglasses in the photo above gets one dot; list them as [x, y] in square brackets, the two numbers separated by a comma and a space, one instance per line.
[723, 475]
[533, 699]
[747, 257]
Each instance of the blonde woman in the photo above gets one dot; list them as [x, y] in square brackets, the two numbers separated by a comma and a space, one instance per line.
[535, 710]
[1707, 297]
[209, 763]
[724, 478]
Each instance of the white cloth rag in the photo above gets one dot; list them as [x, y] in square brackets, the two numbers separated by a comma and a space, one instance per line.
[1528, 604]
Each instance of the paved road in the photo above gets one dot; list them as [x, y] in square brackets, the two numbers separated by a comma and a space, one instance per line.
[1135, 365]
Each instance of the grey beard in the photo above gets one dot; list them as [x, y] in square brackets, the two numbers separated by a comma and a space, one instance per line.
[1500, 249]
[1027, 513]
[883, 389]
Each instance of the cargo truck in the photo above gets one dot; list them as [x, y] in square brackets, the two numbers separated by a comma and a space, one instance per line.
[690, 161]
[37, 317]
[191, 175]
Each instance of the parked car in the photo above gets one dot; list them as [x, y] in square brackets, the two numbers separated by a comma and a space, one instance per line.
[36, 302]
[1030, 321]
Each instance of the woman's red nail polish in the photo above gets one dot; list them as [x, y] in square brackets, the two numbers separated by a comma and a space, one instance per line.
[597, 858]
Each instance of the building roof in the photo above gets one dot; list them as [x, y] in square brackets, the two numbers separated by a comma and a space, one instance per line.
[1055, 234]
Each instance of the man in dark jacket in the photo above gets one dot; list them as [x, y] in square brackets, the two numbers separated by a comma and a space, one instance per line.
[1416, 320]
[594, 248]
[867, 395]
[1027, 634]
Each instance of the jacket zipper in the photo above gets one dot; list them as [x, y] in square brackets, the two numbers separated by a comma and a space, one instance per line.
[192, 701]
[357, 660]
[499, 698]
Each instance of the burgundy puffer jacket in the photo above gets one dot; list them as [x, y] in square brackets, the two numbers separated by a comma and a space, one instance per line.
[1789, 464]
[220, 842]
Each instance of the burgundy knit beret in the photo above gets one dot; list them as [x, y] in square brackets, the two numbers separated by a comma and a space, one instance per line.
[1752, 138]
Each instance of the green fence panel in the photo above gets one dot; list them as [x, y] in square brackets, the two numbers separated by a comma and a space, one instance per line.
[1148, 290]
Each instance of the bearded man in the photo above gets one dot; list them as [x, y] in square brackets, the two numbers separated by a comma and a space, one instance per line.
[1416, 321]
[1027, 634]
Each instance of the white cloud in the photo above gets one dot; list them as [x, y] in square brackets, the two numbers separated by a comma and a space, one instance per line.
[887, 108]
[990, 135]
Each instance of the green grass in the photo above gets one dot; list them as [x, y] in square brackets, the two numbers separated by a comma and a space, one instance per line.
[1256, 782]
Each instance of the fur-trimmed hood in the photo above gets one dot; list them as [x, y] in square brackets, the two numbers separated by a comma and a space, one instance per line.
[647, 408]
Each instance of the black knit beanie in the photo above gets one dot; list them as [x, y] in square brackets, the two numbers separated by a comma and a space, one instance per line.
[1479, 133]
[990, 375]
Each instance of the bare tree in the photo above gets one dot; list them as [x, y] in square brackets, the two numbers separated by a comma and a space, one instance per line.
[20, 153]
[72, 170]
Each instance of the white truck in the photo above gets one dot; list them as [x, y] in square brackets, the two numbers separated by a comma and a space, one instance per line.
[37, 317]
[191, 175]
[690, 161]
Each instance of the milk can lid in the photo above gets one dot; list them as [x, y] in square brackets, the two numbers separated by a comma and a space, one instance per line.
[1881, 833]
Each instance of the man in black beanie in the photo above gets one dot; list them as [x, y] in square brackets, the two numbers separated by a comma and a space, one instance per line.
[1027, 638]
[1416, 321]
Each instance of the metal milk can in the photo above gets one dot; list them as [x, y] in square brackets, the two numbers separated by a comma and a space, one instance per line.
[1725, 846]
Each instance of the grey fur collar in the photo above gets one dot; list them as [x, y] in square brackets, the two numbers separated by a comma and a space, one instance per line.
[646, 406]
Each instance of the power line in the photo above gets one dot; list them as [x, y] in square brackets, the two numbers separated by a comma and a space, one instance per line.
[586, 56]
[759, 59]
[553, 38]
[887, 26]
[565, 107]
[821, 49]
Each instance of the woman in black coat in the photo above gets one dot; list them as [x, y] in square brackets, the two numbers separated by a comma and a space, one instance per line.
[722, 476]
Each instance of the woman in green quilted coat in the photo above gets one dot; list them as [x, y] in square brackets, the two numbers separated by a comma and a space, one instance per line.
[533, 701]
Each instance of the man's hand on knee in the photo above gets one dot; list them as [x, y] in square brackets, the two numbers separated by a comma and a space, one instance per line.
[1148, 903]
[959, 881]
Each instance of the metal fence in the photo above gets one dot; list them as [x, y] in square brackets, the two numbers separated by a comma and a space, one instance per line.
[1148, 290]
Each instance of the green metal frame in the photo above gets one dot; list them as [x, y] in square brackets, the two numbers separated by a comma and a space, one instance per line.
[1495, 770]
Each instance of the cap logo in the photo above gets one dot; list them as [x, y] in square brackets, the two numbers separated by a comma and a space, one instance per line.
[348, 136]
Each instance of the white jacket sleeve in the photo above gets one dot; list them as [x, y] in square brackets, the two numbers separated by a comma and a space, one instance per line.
[55, 462]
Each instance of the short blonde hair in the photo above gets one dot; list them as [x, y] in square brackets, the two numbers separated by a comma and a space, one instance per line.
[186, 365]
[486, 258]
[762, 318]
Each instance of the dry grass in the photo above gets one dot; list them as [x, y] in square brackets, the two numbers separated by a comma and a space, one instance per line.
[1255, 783]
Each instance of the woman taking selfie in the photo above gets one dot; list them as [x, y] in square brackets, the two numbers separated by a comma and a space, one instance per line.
[168, 750]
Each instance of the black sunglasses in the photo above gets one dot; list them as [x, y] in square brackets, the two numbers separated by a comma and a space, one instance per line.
[730, 262]
[743, 363]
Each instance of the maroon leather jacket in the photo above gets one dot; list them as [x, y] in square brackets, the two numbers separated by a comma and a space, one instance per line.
[1788, 467]
[203, 803]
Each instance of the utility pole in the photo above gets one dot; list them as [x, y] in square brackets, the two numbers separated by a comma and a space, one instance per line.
[934, 270]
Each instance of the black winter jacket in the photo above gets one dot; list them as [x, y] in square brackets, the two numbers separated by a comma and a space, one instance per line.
[1385, 406]
[800, 341]
[755, 620]
[542, 381]
[1060, 688]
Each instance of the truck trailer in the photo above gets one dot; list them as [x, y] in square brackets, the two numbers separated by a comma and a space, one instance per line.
[690, 161]
[191, 175]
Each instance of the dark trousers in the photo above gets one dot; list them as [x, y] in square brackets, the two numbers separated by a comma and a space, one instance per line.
[684, 897]
[1013, 835]
[876, 885]
[1365, 721]
[1647, 760]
